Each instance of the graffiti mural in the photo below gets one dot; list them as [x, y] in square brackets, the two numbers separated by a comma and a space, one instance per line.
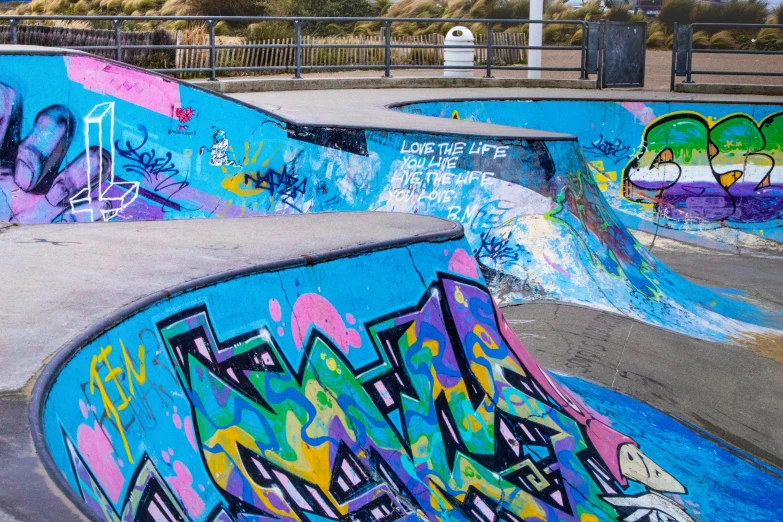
[113, 143]
[306, 395]
[705, 173]
[725, 170]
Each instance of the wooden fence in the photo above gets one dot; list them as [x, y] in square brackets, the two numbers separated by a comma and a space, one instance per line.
[51, 36]
[283, 58]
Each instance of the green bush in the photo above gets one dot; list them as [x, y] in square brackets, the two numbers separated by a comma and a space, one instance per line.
[676, 11]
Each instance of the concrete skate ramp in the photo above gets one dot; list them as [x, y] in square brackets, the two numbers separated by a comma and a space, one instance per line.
[360, 372]
[112, 143]
[705, 171]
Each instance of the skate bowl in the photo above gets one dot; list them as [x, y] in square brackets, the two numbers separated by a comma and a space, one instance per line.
[709, 172]
[318, 386]
[170, 356]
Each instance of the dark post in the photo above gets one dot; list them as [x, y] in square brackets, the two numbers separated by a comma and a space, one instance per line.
[674, 54]
[387, 59]
[117, 39]
[585, 35]
[489, 50]
[690, 55]
[298, 52]
[212, 72]
[14, 37]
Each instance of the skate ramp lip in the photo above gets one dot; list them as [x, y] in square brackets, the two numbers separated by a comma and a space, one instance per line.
[66, 286]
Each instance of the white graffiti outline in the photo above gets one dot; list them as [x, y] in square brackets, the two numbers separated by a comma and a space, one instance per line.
[130, 189]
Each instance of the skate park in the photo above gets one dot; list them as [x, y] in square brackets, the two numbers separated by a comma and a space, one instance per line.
[661, 355]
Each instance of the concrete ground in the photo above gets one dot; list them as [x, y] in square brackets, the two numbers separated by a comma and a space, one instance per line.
[732, 392]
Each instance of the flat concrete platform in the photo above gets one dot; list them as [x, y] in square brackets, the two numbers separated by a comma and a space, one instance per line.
[368, 108]
[62, 279]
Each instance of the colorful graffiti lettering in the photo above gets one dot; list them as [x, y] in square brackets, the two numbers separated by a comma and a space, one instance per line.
[450, 417]
[692, 167]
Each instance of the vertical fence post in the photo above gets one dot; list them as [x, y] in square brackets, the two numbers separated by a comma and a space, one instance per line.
[489, 50]
[674, 55]
[585, 36]
[690, 55]
[14, 36]
[212, 72]
[117, 36]
[298, 51]
[387, 58]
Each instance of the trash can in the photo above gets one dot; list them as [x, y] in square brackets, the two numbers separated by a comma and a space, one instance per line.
[459, 57]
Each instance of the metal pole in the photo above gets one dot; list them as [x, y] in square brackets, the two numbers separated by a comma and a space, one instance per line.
[14, 36]
[674, 54]
[536, 37]
[489, 50]
[690, 55]
[298, 54]
[117, 39]
[585, 36]
[387, 59]
[212, 72]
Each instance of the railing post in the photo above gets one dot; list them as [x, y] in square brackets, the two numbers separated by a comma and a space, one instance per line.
[14, 36]
[117, 39]
[387, 58]
[212, 72]
[674, 54]
[585, 35]
[298, 51]
[489, 50]
[690, 55]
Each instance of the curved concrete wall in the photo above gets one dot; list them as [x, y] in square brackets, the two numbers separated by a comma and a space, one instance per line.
[107, 142]
[707, 173]
[342, 391]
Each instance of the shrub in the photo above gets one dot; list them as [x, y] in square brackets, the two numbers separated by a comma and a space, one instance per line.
[722, 40]
[676, 11]
[769, 39]
[269, 30]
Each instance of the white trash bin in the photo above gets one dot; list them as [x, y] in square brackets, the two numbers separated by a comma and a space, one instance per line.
[459, 57]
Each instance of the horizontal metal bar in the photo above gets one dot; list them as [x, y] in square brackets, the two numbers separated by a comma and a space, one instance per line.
[264, 68]
[347, 46]
[202, 69]
[738, 73]
[513, 21]
[162, 46]
[255, 46]
[733, 51]
[327, 67]
[717, 24]
[482, 67]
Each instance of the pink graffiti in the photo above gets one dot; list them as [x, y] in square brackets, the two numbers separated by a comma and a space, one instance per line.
[182, 482]
[606, 440]
[557, 267]
[640, 111]
[98, 451]
[463, 263]
[151, 92]
[191, 434]
[312, 309]
[274, 310]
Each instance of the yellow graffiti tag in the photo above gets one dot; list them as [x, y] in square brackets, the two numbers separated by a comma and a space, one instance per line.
[112, 376]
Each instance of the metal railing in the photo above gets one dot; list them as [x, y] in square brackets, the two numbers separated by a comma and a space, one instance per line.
[683, 51]
[297, 22]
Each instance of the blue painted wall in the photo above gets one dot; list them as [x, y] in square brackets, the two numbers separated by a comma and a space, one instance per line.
[724, 186]
[343, 392]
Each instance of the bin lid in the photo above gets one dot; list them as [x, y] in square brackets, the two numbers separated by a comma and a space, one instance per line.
[459, 34]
